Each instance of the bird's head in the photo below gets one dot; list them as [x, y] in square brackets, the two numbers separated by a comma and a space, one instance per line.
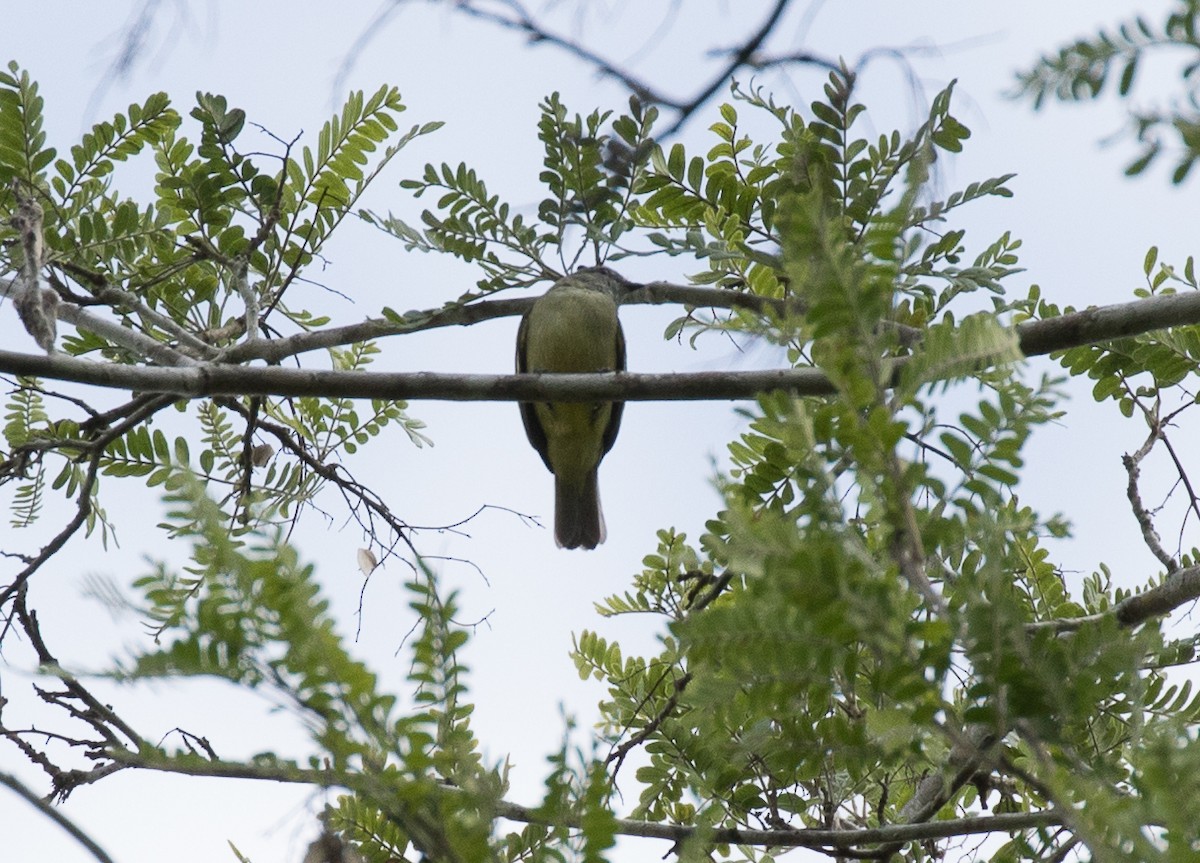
[601, 279]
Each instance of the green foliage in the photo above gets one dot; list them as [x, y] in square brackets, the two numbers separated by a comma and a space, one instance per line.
[808, 653]
[872, 592]
[476, 224]
[953, 349]
[801, 635]
[741, 208]
[23, 151]
[375, 836]
[1136, 372]
[1109, 61]
[25, 419]
[590, 177]
[250, 612]
[255, 618]
[212, 256]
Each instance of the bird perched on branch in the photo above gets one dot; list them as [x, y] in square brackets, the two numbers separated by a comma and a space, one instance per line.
[573, 327]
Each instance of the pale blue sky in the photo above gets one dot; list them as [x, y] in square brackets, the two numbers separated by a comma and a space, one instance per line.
[1085, 228]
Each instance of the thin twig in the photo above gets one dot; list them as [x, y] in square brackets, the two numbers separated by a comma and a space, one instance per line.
[100, 716]
[83, 508]
[619, 753]
[1145, 521]
[354, 493]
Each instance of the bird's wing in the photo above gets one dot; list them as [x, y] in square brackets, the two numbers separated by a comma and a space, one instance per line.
[614, 416]
[533, 428]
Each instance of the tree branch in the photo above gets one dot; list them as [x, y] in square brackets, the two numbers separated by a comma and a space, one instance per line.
[1180, 586]
[275, 351]
[522, 22]
[119, 298]
[467, 314]
[512, 15]
[126, 337]
[202, 380]
[804, 838]
[353, 492]
[224, 380]
[739, 57]
[57, 817]
[1133, 467]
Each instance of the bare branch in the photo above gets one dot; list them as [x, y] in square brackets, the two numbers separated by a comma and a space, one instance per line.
[467, 314]
[1103, 323]
[1133, 467]
[203, 380]
[1181, 586]
[513, 16]
[98, 715]
[804, 838]
[276, 350]
[218, 380]
[738, 58]
[57, 817]
[521, 21]
[142, 345]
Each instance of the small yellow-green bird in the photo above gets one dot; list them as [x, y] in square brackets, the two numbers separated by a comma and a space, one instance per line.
[573, 327]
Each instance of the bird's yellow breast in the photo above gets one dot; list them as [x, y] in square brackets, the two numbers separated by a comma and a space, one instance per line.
[572, 330]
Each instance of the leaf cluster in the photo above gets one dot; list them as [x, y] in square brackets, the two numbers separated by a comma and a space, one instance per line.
[872, 593]
[590, 174]
[250, 612]
[881, 590]
[1110, 61]
[209, 262]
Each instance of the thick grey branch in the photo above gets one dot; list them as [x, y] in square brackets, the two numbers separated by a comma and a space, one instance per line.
[201, 380]
[224, 380]
[1181, 586]
[1036, 337]
[1104, 323]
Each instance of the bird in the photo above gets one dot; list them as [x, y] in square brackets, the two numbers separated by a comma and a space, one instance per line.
[573, 327]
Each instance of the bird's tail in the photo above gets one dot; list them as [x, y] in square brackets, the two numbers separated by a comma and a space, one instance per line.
[578, 521]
